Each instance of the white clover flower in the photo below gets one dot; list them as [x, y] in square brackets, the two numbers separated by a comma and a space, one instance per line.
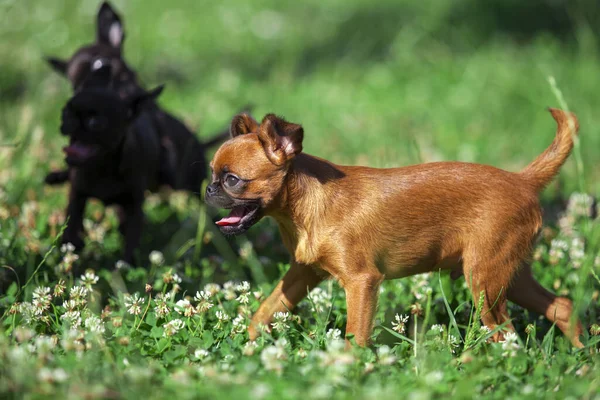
[203, 299]
[59, 288]
[577, 252]
[181, 306]
[434, 377]
[246, 250]
[89, 279]
[222, 317]
[301, 353]
[67, 262]
[41, 299]
[95, 325]
[172, 327]
[260, 391]
[78, 293]
[201, 354]
[176, 278]
[272, 357]
[319, 299]
[336, 345]
[333, 334]
[249, 348]
[28, 311]
[70, 305]
[229, 290]
[72, 318]
[385, 356]
[95, 232]
[244, 289]
[580, 205]
[399, 325]
[44, 344]
[157, 258]
[437, 328]
[510, 344]
[484, 330]
[420, 286]
[161, 308]
[48, 375]
[23, 334]
[72, 340]
[17, 354]
[67, 248]
[134, 304]
[280, 320]
[453, 343]
[239, 325]
[212, 288]
[558, 250]
[121, 264]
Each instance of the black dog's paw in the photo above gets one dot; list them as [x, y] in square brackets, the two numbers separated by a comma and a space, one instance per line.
[57, 177]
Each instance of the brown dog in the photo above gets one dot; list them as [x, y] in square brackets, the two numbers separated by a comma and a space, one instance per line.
[362, 225]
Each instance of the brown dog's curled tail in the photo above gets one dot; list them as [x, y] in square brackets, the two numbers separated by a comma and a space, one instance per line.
[545, 167]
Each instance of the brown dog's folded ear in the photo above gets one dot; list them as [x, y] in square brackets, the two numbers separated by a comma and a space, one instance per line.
[280, 139]
[59, 66]
[109, 29]
[242, 124]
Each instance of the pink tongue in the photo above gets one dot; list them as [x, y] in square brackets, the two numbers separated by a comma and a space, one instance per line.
[234, 217]
[77, 150]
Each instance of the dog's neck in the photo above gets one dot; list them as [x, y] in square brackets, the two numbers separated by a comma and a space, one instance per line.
[302, 203]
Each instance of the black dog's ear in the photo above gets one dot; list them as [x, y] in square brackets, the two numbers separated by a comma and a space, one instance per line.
[109, 29]
[100, 75]
[242, 124]
[59, 66]
[141, 100]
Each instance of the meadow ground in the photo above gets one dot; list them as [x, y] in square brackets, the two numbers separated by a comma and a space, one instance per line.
[385, 84]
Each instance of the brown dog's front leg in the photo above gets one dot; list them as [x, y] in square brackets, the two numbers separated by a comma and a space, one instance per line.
[362, 293]
[133, 229]
[295, 285]
[75, 211]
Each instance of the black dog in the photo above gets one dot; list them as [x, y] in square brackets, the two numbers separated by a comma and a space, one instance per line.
[182, 160]
[113, 154]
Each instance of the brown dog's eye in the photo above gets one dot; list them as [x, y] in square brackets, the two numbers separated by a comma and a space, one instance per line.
[231, 180]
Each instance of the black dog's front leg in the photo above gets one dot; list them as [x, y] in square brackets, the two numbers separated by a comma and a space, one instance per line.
[57, 177]
[132, 228]
[75, 211]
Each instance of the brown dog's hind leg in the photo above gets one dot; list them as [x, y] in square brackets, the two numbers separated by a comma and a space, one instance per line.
[528, 293]
[493, 279]
[295, 285]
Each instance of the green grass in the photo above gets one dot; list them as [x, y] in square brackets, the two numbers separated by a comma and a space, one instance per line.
[384, 84]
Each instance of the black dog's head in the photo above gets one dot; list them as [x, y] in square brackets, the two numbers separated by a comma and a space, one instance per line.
[96, 118]
[108, 47]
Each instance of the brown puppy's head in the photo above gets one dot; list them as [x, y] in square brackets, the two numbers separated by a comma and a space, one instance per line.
[96, 118]
[249, 170]
[108, 45]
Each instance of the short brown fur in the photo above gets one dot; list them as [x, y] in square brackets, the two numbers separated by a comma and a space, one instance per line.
[362, 225]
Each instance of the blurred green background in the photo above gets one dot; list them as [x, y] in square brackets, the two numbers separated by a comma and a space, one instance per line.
[383, 83]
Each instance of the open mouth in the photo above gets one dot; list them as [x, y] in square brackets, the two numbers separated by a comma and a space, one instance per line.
[77, 152]
[240, 219]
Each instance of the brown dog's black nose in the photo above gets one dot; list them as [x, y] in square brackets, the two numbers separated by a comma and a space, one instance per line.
[211, 189]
